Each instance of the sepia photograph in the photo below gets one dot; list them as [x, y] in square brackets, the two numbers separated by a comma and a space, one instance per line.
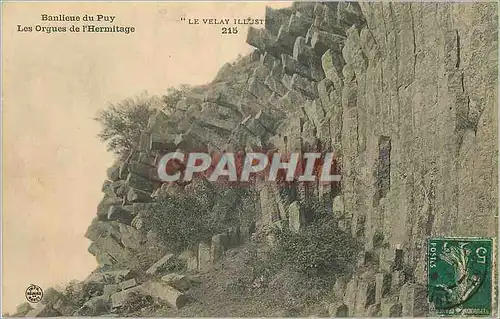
[249, 159]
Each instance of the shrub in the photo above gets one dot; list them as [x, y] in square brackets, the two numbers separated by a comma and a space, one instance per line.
[179, 222]
[185, 220]
[77, 293]
[135, 301]
[174, 95]
[320, 249]
[123, 122]
[234, 205]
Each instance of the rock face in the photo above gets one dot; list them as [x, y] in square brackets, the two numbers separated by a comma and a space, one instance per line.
[410, 106]
[114, 242]
[410, 109]
[404, 94]
[172, 296]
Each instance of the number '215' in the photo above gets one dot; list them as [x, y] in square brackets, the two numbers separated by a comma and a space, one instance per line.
[231, 30]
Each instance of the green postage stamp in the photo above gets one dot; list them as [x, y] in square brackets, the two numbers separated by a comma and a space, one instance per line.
[459, 274]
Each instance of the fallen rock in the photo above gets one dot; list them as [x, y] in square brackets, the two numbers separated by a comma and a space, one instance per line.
[180, 282]
[162, 261]
[23, 309]
[118, 299]
[164, 292]
[190, 257]
[43, 311]
[110, 289]
[95, 306]
[204, 257]
[128, 284]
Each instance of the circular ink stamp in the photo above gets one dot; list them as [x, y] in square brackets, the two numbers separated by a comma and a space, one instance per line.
[459, 274]
[34, 293]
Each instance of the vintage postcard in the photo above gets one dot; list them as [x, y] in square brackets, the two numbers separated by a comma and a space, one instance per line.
[249, 159]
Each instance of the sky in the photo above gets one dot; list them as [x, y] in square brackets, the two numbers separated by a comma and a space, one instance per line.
[53, 165]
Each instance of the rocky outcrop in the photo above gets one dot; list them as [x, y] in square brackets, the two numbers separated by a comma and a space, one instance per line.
[206, 254]
[405, 95]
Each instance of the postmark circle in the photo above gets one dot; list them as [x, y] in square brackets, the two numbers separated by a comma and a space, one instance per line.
[34, 293]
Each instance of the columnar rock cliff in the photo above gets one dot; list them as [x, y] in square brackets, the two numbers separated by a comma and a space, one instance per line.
[405, 95]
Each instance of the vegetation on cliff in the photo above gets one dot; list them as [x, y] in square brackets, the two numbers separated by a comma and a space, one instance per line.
[123, 122]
